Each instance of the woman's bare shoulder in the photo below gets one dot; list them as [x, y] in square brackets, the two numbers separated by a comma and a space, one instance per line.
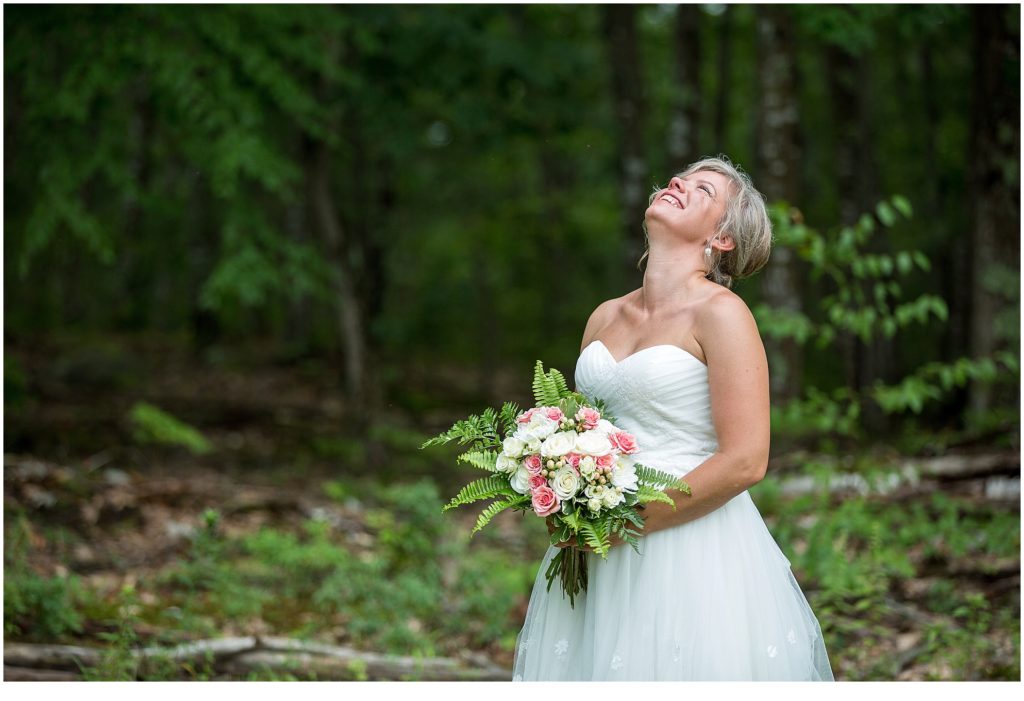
[725, 319]
[603, 315]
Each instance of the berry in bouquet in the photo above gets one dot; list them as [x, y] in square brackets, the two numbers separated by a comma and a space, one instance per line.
[564, 460]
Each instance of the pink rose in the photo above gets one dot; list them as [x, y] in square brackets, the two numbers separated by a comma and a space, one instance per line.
[533, 464]
[624, 442]
[588, 417]
[555, 414]
[606, 460]
[573, 460]
[537, 481]
[527, 415]
[545, 501]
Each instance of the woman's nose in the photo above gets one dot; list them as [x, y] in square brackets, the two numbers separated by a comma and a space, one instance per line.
[676, 183]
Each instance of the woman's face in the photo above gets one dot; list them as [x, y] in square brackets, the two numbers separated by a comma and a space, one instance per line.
[694, 204]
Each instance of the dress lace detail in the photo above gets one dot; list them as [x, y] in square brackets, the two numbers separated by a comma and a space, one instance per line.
[741, 597]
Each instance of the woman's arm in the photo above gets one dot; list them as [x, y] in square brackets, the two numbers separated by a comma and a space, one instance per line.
[740, 409]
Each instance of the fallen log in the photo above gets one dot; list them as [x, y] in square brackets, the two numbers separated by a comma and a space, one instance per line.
[27, 674]
[239, 657]
[993, 476]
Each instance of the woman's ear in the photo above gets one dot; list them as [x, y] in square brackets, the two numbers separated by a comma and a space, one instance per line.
[725, 242]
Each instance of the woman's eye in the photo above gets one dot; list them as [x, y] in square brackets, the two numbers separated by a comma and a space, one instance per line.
[706, 189]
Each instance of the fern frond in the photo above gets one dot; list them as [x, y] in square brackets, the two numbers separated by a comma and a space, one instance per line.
[595, 534]
[549, 388]
[656, 478]
[558, 381]
[483, 488]
[484, 459]
[496, 508]
[646, 494]
[473, 428]
[628, 536]
[507, 417]
[541, 388]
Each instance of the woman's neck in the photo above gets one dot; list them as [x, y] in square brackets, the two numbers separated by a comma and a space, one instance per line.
[672, 278]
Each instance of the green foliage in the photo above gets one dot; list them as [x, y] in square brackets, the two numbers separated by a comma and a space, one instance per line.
[867, 289]
[481, 431]
[485, 460]
[659, 479]
[548, 388]
[497, 507]
[933, 381]
[646, 494]
[45, 608]
[152, 425]
[118, 663]
[483, 488]
[36, 606]
[866, 301]
[595, 534]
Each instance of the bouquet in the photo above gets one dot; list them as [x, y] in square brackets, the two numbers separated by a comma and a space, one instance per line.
[564, 460]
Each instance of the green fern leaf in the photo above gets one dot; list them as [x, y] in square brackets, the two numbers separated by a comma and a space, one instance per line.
[595, 534]
[507, 417]
[647, 494]
[539, 388]
[483, 459]
[654, 478]
[558, 380]
[483, 488]
[473, 428]
[496, 508]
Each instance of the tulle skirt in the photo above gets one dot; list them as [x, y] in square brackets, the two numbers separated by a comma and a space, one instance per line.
[713, 599]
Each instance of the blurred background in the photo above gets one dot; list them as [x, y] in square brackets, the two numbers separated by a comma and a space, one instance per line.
[254, 256]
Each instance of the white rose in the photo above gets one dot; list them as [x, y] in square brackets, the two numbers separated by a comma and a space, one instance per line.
[558, 444]
[506, 464]
[513, 447]
[521, 480]
[605, 426]
[611, 498]
[566, 483]
[533, 445]
[594, 504]
[593, 443]
[587, 466]
[624, 475]
[594, 491]
[540, 426]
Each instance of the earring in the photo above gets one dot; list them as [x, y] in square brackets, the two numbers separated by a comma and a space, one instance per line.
[707, 251]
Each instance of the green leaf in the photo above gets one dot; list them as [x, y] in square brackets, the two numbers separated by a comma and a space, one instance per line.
[483, 488]
[902, 204]
[656, 478]
[496, 508]
[646, 494]
[595, 534]
[483, 459]
[885, 213]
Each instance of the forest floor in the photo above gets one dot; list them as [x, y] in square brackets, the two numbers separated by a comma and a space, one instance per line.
[290, 526]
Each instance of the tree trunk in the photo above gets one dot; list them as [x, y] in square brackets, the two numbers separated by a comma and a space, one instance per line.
[619, 24]
[724, 74]
[684, 127]
[994, 149]
[350, 324]
[779, 179]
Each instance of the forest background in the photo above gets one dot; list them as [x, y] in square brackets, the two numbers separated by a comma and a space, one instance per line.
[255, 255]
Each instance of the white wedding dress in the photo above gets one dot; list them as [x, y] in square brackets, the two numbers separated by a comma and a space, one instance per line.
[712, 599]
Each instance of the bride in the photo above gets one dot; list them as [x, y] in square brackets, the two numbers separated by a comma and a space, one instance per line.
[680, 364]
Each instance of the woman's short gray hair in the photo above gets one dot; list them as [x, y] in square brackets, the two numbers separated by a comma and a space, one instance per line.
[745, 219]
